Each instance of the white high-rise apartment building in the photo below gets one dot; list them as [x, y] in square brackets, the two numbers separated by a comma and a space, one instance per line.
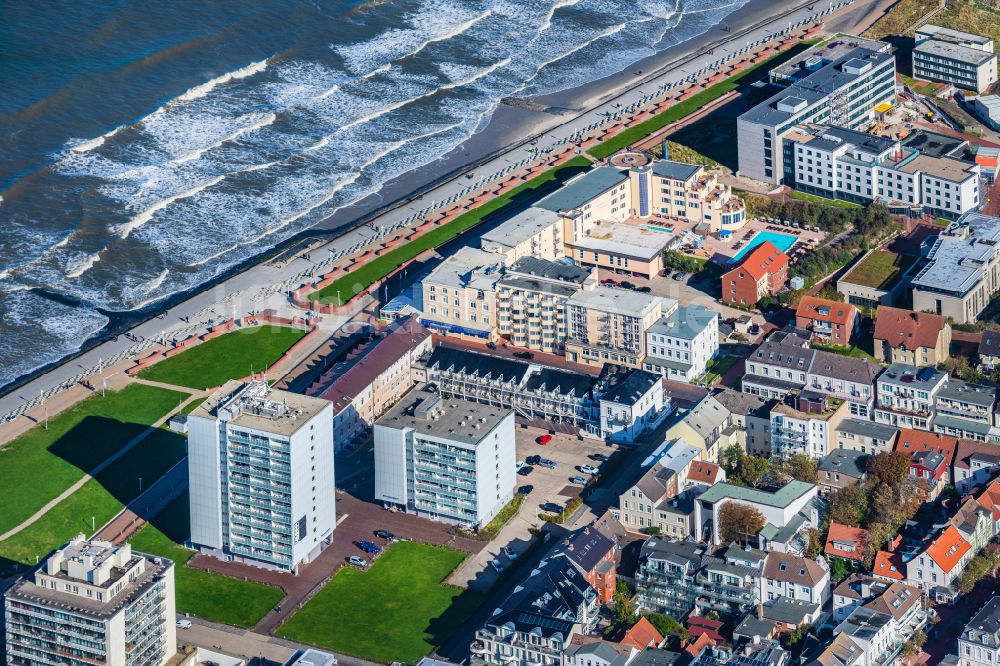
[261, 475]
[447, 460]
[92, 602]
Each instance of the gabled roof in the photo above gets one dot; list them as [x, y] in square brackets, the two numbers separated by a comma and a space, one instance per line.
[845, 461]
[704, 472]
[990, 499]
[969, 449]
[763, 260]
[632, 388]
[845, 534]
[587, 547]
[827, 310]
[913, 441]
[905, 327]
[896, 600]
[847, 368]
[948, 549]
[889, 565]
[791, 568]
[642, 635]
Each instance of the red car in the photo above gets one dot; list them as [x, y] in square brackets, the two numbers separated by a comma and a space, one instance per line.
[544, 439]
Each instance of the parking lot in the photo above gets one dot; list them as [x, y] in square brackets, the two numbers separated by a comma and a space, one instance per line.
[549, 486]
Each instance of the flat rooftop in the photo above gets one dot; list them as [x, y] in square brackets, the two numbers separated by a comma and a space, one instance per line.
[468, 268]
[960, 255]
[956, 52]
[686, 322]
[549, 270]
[831, 137]
[523, 226]
[821, 54]
[949, 34]
[256, 406]
[451, 419]
[910, 376]
[622, 239]
[582, 189]
[621, 301]
[945, 168]
[933, 144]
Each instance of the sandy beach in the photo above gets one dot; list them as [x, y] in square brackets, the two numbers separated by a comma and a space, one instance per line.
[263, 282]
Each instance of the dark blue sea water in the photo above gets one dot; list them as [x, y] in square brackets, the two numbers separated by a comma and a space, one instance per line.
[147, 146]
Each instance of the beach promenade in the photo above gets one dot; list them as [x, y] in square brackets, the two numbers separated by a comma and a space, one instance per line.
[266, 285]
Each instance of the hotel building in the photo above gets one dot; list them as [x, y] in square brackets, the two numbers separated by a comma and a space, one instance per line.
[838, 83]
[950, 56]
[608, 325]
[92, 602]
[444, 459]
[906, 396]
[681, 345]
[261, 475]
[460, 294]
[963, 271]
[839, 163]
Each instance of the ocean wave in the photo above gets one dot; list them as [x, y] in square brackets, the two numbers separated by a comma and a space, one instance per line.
[124, 230]
[262, 121]
[83, 265]
[88, 145]
[556, 6]
[208, 86]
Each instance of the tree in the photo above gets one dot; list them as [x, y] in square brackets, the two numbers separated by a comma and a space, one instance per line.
[740, 523]
[803, 467]
[889, 467]
[848, 506]
[814, 545]
[711, 615]
[623, 604]
[666, 625]
[751, 470]
[793, 638]
[653, 530]
[731, 457]
[838, 570]
[911, 648]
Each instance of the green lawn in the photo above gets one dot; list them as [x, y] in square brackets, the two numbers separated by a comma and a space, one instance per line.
[347, 287]
[201, 593]
[844, 350]
[97, 501]
[690, 105]
[42, 463]
[398, 610]
[881, 269]
[230, 356]
[803, 196]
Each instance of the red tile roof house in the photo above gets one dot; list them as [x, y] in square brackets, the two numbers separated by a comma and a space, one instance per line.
[761, 273]
[935, 569]
[830, 322]
[916, 338]
[642, 635]
[931, 467]
[846, 542]
[593, 555]
[698, 625]
[914, 441]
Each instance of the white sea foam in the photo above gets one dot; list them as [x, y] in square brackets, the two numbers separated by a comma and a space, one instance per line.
[262, 121]
[319, 144]
[208, 86]
[88, 145]
[136, 221]
[556, 6]
[83, 265]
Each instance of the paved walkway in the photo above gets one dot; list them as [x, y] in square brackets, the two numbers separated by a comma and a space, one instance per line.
[94, 472]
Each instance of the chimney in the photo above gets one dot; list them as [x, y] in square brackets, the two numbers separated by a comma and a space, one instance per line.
[586, 530]
[760, 611]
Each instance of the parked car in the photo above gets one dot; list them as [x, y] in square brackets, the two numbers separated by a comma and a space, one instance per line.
[356, 561]
[510, 553]
[625, 284]
[525, 470]
[524, 354]
[183, 624]
[610, 283]
[385, 534]
[532, 460]
[551, 507]
[579, 480]
[545, 462]
[588, 469]
[644, 290]
[544, 439]
[680, 275]
[599, 456]
[491, 345]
[665, 272]
[526, 489]
[497, 564]
[368, 547]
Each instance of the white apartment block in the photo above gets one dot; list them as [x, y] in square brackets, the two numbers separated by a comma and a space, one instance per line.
[837, 83]
[979, 643]
[633, 406]
[951, 56]
[444, 459]
[92, 602]
[841, 163]
[680, 345]
[534, 232]
[459, 295]
[906, 395]
[963, 271]
[261, 475]
[809, 426]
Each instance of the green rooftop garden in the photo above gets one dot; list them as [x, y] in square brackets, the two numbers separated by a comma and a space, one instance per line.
[881, 269]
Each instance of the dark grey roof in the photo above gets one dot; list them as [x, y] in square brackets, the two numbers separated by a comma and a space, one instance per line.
[469, 363]
[526, 621]
[675, 170]
[561, 381]
[744, 404]
[679, 552]
[987, 622]
[552, 270]
[791, 611]
[990, 344]
[658, 657]
[579, 191]
[543, 286]
[630, 389]
[784, 351]
[751, 627]
[867, 429]
[975, 394]
[847, 368]
[586, 547]
[845, 461]
[555, 589]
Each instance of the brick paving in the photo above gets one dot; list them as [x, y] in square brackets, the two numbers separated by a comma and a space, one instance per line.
[359, 520]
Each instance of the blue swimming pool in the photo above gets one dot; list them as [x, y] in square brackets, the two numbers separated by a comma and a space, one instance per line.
[653, 227]
[781, 241]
